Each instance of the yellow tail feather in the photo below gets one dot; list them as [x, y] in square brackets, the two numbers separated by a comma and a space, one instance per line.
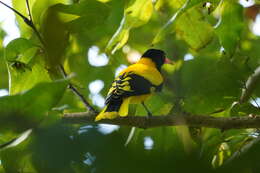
[106, 115]
[123, 111]
[101, 114]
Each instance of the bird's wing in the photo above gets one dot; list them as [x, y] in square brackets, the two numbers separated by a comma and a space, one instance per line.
[129, 84]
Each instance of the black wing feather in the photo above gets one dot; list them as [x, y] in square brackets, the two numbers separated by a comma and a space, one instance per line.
[135, 84]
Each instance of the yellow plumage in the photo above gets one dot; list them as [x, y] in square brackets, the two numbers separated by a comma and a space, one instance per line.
[133, 85]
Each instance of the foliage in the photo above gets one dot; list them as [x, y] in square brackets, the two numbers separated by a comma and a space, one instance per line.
[93, 39]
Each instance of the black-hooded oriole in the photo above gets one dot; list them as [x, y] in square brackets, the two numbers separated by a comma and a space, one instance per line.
[134, 85]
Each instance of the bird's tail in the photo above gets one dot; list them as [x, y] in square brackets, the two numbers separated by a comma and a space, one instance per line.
[114, 109]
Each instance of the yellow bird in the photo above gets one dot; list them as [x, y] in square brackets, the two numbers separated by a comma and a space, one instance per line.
[134, 85]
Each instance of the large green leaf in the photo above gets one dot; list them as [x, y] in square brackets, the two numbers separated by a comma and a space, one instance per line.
[82, 15]
[230, 26]
[207, 84]
[26, 65]
[38, 8]
[55, 36]
[21, 50]
[195, 31]
[26, 110]
[189, 25]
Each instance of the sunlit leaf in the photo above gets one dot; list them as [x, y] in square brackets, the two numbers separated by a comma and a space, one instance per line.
[3, 67]
[17, 50]
[136, 14]
[222, 154]
[188, 24]
[85, 10]
[195, 31]
[26, 66]
[20, 6]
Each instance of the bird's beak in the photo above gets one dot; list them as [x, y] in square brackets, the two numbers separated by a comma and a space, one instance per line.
[168, 61]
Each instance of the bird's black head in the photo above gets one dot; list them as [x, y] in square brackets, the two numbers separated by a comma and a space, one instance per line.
[156, 55]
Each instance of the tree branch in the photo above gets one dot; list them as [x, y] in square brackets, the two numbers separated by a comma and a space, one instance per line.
[223, 123]
[252, 82]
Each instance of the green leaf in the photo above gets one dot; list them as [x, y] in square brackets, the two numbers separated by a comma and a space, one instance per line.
[26, 110]
[55, 35]
[3, 67]
[135, 15]
[21, 50]
[188, 24]
[38, 8]
[230, 26]
[81, 18]
[207, 85]
[15, 158]
[222, 154]
[193, 29]
[26, 65]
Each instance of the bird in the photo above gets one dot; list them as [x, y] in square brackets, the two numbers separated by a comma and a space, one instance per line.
[134, 85]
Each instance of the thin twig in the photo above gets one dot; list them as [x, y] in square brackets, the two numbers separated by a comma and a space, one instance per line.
[29, 10]
[29, 22]
[26, 20]
[77, 93]
[32, 25]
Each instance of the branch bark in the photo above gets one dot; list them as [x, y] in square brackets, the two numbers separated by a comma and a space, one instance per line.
[223, 123]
